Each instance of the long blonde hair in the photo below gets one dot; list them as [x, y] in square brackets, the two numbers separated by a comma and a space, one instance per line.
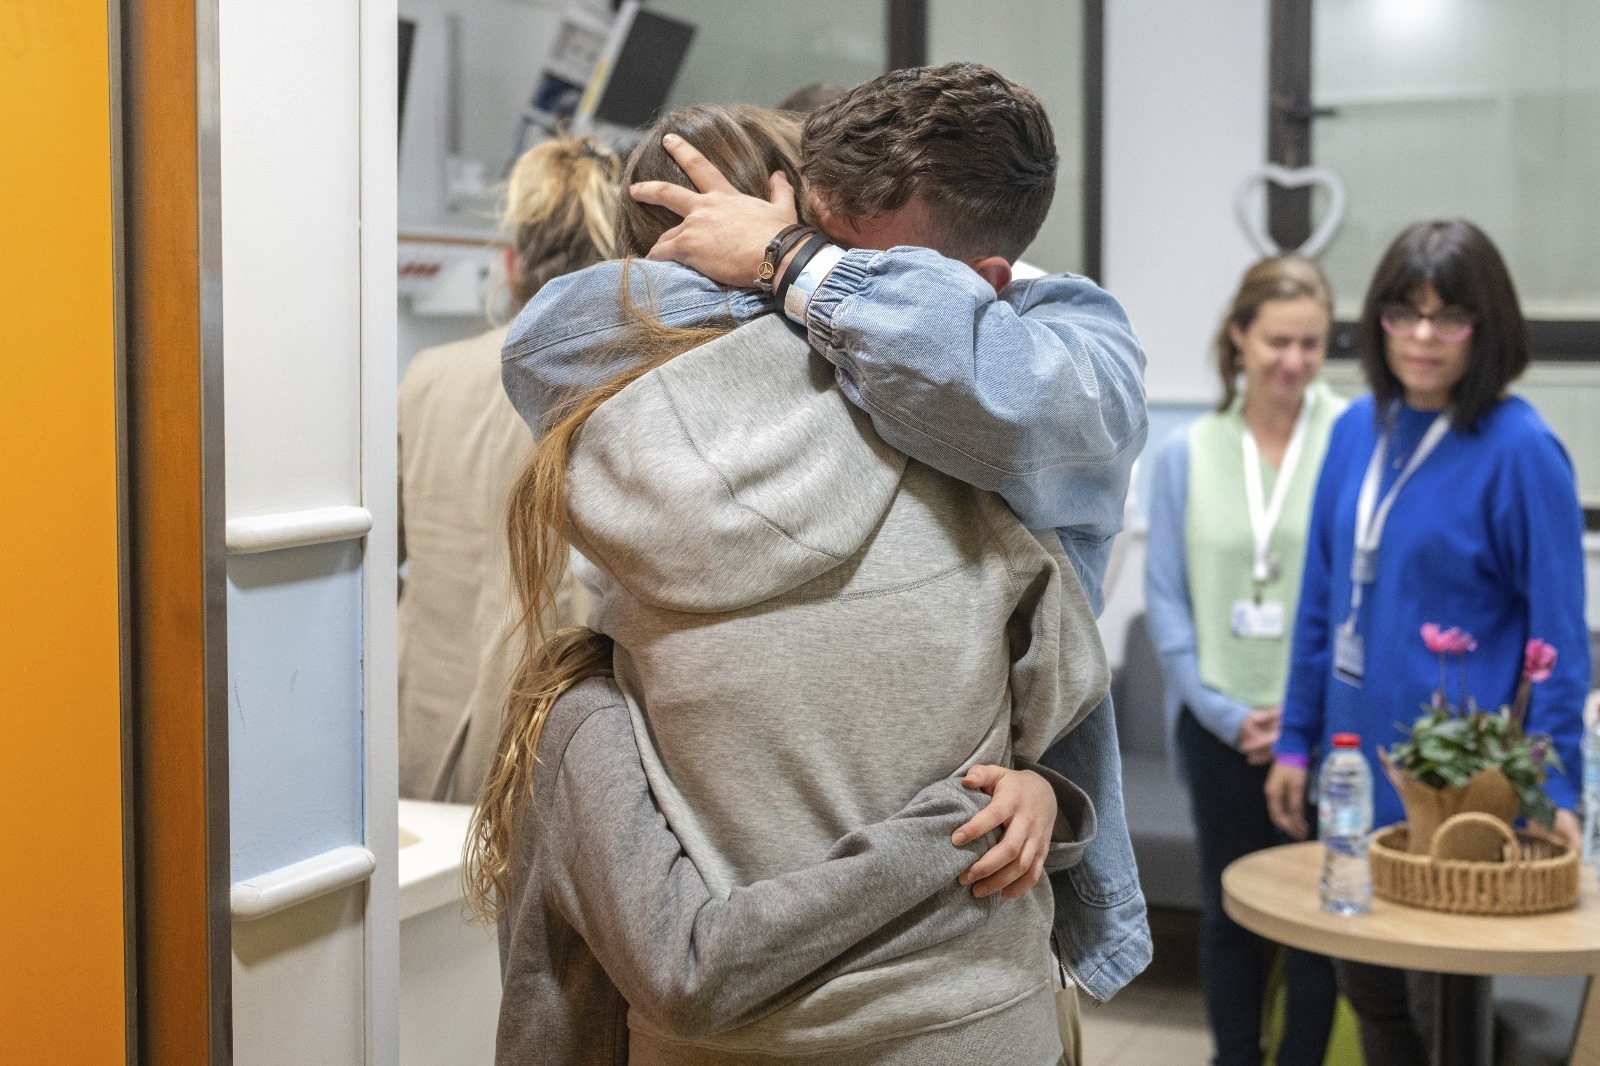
[747, 144]
[559, 211]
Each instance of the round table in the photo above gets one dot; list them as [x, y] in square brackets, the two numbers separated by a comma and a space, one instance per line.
[1274, 893]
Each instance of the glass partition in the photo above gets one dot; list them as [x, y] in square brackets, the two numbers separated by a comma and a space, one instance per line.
[1483, 109]
[1040, 46]
[739, 55]
[760, 53]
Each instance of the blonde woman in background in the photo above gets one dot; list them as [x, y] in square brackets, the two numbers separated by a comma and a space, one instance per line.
[1228, 514]
[462, 445]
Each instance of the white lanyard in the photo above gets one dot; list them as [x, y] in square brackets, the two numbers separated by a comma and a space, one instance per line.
[1264, 517]
[1371, 514]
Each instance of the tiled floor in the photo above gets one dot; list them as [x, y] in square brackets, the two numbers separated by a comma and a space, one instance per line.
[1159, 1019]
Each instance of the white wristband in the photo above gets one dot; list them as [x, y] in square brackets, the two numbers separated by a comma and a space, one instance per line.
[798, 298]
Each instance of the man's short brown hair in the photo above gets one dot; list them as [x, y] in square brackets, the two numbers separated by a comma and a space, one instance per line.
[975, 148]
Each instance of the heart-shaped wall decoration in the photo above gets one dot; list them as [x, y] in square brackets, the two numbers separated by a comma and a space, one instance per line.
[1255, 226]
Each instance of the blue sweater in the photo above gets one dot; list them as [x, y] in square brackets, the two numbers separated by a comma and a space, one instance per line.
[1487, 535]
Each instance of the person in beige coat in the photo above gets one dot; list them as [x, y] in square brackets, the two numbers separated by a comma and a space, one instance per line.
[461, 447]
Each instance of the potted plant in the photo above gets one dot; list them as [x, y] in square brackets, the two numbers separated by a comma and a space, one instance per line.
[1461, 758]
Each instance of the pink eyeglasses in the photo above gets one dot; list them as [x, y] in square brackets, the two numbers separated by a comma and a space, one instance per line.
[1450, 324]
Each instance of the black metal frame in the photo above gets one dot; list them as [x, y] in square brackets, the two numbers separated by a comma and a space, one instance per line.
[1289, 118]
[1291, 115]
[1094, 136]
[908, 33]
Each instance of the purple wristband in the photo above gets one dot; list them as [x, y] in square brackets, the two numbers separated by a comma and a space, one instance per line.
[1299, 762]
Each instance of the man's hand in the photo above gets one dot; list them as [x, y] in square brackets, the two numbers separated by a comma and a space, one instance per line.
[1286, 799]
[1258, 733]
[1025, 804]
[724, 233]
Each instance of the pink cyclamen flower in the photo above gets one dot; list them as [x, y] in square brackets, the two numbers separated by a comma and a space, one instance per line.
[1538, 659]
[1433, 637]
[1450, 641]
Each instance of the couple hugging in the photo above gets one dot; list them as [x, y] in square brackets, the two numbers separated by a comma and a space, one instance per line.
[848, 547]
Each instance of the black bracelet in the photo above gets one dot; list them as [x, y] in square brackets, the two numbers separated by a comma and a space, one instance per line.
[807, 252]
[773, 256]
[790, 243]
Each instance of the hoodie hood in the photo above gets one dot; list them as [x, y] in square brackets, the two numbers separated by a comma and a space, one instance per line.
[730, 475]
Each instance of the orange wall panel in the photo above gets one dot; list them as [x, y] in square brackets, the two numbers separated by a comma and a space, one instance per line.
[62, 968]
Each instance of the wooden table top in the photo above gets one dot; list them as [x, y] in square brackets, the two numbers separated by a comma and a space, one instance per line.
[1274, 893]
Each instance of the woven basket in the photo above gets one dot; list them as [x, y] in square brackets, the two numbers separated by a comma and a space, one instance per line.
[1536, 876]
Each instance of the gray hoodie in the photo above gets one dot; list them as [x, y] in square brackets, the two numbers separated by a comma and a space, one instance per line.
[810, 629]
[605, 905]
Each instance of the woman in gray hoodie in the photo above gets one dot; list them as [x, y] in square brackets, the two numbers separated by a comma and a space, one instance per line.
[810, 629]
[607, 915]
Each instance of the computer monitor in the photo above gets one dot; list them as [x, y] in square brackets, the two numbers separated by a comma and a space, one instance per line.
[636, 71]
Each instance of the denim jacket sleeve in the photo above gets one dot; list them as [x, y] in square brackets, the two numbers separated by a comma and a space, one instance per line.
[1102, 927]
[560, 346]
[1166, 595]
[1036, 393]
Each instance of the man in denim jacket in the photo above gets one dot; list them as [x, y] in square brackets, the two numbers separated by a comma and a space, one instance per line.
[1030, 389]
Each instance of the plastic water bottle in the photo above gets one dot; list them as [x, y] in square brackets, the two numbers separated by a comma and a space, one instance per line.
[1591, 789]
[1344, 818]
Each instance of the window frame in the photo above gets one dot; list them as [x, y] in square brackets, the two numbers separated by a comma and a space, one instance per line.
[1291, 118]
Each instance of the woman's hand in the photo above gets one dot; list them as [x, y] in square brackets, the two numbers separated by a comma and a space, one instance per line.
[1568, 829]
[1258, 732]
[1025, 804]
[1286, 799]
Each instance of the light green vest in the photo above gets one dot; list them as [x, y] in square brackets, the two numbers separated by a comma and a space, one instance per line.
[1219, 548]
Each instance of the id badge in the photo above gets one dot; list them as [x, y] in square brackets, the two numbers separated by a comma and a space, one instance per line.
[1349, 655]
[1257, 620]
[1364, 566]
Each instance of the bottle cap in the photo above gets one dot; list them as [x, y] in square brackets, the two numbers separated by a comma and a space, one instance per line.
[1347, 740]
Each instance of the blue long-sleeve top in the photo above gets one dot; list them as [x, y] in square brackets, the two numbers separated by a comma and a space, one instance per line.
[1168, 613]
[1488, 536]
[1035, 393]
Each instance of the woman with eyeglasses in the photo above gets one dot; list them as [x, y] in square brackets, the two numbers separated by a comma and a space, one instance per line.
[1443, 498]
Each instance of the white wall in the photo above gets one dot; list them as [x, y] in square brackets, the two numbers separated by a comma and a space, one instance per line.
[291, 271]
[1185, 122]
[308, 180]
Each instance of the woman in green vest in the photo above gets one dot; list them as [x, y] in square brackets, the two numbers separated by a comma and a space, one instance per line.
[1228, 515]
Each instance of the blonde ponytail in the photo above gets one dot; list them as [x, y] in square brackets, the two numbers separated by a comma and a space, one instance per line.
[560, 203]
